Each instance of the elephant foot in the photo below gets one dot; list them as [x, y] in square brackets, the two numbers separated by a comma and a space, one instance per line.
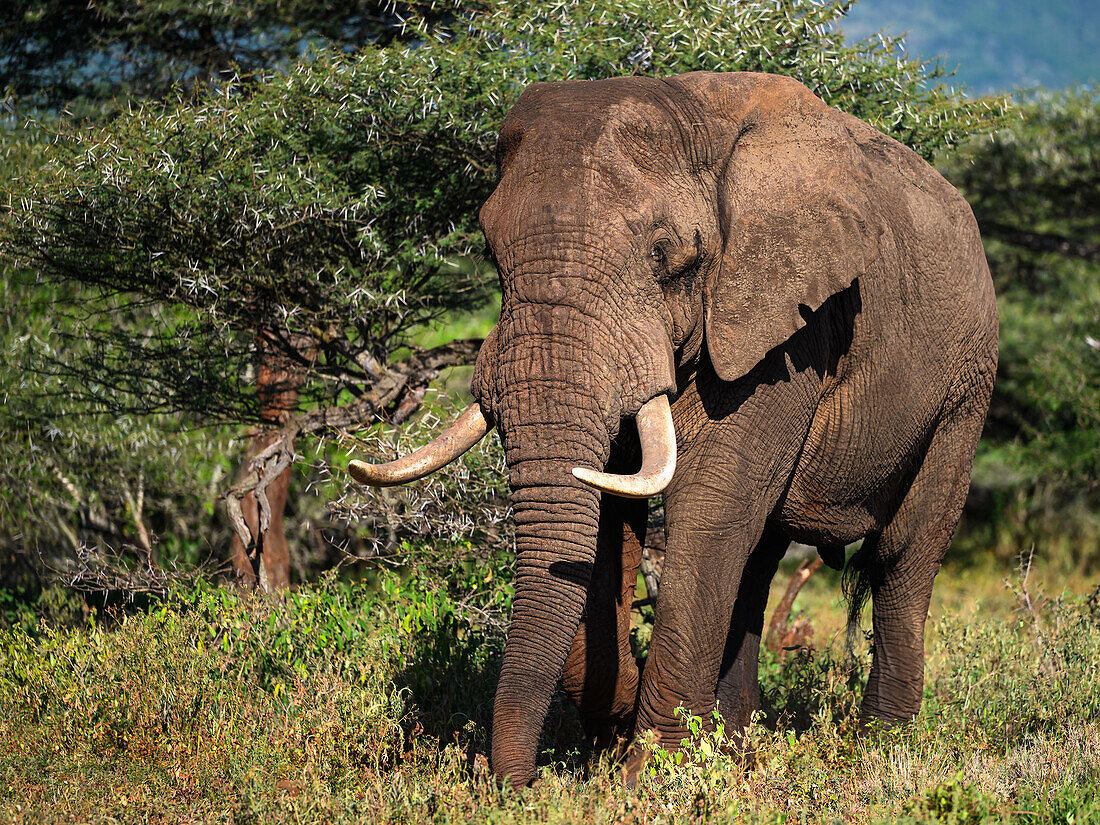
[739, 746]
[637, 758]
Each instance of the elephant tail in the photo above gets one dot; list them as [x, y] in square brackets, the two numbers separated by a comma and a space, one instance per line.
[856, 583]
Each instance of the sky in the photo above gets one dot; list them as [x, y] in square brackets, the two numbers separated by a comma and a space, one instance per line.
[994, 46]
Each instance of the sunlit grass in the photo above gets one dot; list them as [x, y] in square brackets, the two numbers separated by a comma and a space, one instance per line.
[349, 703]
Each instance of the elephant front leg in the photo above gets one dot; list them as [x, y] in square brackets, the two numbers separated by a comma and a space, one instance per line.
[702, 576]
[738, 690]
[601, 674]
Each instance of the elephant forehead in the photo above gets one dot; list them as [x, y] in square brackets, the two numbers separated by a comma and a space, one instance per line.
[615, 119]
[565, 209]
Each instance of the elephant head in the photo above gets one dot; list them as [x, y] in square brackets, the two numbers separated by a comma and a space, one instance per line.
[641, 227]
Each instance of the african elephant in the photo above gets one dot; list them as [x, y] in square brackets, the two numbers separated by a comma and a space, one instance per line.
[785, 317]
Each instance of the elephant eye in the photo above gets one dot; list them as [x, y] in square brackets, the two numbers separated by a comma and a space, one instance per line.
[672, 259]
[659, 254]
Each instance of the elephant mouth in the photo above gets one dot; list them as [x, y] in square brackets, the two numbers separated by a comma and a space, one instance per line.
[656, 433]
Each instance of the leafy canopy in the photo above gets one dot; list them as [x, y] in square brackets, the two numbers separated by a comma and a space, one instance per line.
[330, 210]
[90, 56]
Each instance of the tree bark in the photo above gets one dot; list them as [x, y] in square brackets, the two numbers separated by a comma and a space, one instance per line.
[275, 553]
[266, 564]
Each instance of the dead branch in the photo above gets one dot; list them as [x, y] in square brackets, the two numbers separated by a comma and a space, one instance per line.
[401, 381]
[403, 384]
[92, 515]
[780, 634]
[1032, 605]
[107, 575]
[136, 506]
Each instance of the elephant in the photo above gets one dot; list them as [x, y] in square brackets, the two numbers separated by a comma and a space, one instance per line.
[718, 289]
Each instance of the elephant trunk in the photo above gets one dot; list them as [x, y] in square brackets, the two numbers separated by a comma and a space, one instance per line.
[556, 548]
[546, 432]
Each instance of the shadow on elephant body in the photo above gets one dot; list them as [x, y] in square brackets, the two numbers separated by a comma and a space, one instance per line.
[577, 572]
[819, 345]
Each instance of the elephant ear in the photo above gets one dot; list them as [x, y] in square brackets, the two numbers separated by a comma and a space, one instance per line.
[793, 211]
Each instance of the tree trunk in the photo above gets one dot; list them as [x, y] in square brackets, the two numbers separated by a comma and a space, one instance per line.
[277, 387]
[275, 558]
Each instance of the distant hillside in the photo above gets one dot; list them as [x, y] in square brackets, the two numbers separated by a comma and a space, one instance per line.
[995, 46]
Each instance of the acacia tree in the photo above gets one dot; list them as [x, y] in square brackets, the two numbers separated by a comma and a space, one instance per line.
[321, 215]
[94, 57]
[1035, 189]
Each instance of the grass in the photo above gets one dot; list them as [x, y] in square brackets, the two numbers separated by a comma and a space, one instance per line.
[352, 703]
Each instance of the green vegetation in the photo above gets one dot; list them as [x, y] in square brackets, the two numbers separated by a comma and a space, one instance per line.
[82, 485]
[370, 702]
[1034, 189]
[289, 246]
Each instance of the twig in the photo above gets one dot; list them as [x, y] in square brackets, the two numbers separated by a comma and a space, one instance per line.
[1032, 607]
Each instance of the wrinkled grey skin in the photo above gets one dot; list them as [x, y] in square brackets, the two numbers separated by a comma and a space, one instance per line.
[814, 299]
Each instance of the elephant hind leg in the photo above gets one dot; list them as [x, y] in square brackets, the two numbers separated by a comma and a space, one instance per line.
[601, 674]
[901, 561]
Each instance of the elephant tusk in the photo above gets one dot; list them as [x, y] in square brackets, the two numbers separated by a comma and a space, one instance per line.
[468, 429]
[658, 437]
